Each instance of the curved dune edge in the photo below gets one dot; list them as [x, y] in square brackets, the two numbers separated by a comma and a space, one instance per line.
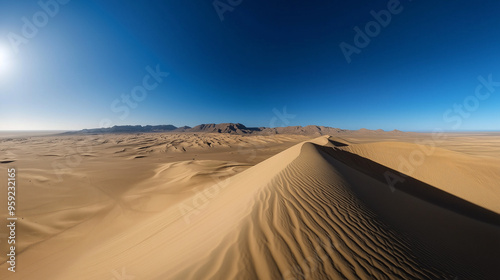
[475, 179]
[301, 214]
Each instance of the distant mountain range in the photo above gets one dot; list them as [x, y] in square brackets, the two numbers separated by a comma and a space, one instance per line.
[231, 128]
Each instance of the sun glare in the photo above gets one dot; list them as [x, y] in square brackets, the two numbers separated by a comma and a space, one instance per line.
[4, 59]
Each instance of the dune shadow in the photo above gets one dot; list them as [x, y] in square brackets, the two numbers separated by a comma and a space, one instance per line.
[337, 144]
[413, 186]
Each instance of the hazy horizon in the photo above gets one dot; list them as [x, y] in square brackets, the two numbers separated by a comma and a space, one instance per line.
[237, 139]
[178, 126]
[262, 64]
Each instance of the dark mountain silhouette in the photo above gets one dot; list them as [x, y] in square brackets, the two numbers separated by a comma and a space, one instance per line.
[130, 129]
[231, 128]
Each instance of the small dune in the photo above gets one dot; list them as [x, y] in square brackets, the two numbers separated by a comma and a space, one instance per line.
[317, 208]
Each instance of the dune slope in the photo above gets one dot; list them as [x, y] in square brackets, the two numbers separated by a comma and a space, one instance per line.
[469, 177]
[305, 213]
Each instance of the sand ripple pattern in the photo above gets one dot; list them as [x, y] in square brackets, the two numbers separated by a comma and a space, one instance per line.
[308, 224]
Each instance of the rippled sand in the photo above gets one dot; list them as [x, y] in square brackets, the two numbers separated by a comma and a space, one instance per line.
[219, 206]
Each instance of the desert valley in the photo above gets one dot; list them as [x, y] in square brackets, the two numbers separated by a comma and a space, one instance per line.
[227, 202]
[249, 140]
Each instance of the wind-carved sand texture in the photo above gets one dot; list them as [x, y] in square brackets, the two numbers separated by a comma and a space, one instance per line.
[219, 206]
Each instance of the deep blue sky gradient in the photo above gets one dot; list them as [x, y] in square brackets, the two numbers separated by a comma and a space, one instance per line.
[263, 55]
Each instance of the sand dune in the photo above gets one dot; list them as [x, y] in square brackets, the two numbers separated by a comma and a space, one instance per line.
[469, 177]
[318, 210]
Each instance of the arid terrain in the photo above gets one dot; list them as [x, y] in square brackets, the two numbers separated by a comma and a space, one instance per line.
[195, 205]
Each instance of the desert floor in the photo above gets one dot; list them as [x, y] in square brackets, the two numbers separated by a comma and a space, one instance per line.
[357, 205]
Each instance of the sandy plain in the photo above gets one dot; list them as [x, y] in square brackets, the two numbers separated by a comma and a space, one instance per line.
[357, 205]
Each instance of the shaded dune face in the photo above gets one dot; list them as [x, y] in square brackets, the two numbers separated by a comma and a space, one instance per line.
[443, 230]
[472, 178]
[307, 223]
[313, 220]
[318, 210]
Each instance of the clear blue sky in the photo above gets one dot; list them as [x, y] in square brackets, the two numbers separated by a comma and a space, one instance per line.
[72, 71]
